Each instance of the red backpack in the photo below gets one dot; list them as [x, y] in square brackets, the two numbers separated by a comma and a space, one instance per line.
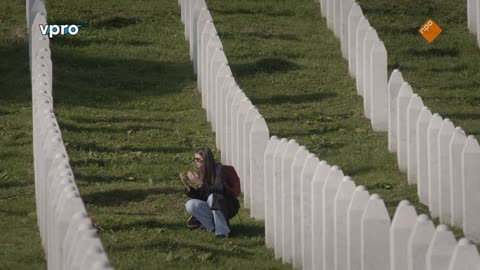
[233, 181]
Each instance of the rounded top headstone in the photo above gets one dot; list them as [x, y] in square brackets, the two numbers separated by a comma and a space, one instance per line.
[360, 188]
[442, 228]
[404, 203]
[464, 242]
[471, 145]
[405, 90]
[283, 140]
[274, 137]
[375, 197]
[347, 179]
[423, 218]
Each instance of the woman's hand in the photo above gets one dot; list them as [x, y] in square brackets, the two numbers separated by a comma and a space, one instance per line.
[194, 178]
[184, 181]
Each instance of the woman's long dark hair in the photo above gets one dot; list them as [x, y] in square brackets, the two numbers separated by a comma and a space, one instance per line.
[207, 170]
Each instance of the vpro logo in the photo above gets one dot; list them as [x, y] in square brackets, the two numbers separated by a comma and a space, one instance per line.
[54, 29]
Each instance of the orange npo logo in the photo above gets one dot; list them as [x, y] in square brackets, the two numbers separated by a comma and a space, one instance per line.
[430, 30]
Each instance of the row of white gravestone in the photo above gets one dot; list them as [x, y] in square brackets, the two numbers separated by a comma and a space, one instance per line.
[241, 132]
[433, 153]
[68, 236]
[473, 18]
[317, 218]
[366, 55]
[436, 156]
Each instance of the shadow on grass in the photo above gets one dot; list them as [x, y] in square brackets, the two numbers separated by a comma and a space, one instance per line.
[434, 52]
[108, 129]
[148, 223]
[247, 230]
[293, 99]
[260, 11]
[117, 197]
[99, 82]
[120, 119]
[266, 65]
[94, 147]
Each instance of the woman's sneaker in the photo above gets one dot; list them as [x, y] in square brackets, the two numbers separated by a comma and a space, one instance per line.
[193, 223]
[222, 236]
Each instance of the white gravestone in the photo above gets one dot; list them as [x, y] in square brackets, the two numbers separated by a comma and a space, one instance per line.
[308, 172]
[379, 94]
[259, 141]
[433, 178]
[269, 176]
[336, 18]
[422, 154]
[330, 14]
[239, 95]
[232, 100]
[402, 226]
[203, 17]
[328, 195]
[278, 198]
[225, 87]
[370, 38]
[205, 32]
[220, 75]
[245, 105]
[465, 256]
[444, 192]
[471, 188]
[418, 243]
[319, 178]
[198, 7]
[354, 17]
[414, 108]
[375, 239]
[342, 201]
[471, 16]
[455, 153]
[297, 168]
[345, 7]
[224, 74]
[252, 114]
[404, 96]
[478, 22]
[212, 44]
[361, 31]
[323, 8]
[217, 61]
[354, 220]
[441, 249]
[286, 191]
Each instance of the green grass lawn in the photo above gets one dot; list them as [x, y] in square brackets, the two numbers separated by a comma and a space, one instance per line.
[290, 65]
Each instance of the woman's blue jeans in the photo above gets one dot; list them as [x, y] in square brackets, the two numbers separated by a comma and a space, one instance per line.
[212, 220]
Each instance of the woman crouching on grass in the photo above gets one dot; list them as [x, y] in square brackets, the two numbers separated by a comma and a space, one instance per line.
[211, 204]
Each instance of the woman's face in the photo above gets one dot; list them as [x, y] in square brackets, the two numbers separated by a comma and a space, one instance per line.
[198, 160]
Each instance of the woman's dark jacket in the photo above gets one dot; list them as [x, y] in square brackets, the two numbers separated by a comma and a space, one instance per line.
[222, 199]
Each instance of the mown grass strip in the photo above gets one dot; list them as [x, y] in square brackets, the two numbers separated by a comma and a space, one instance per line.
[131, 116]
[20, 246]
